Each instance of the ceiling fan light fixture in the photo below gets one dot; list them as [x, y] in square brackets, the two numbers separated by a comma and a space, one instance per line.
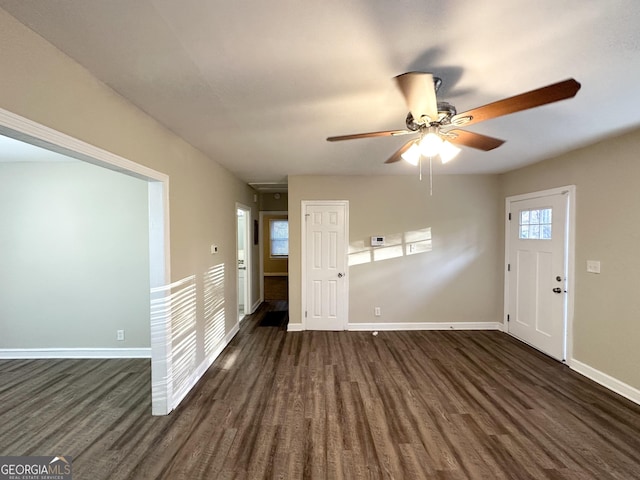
[448, 151]
[412, 155]
[430, 145]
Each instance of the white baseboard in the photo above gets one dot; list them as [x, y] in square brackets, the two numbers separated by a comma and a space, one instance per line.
[203, 367]
[425, 326]
[605, 380]
[255, 306]
[369, 327]
[35, 353]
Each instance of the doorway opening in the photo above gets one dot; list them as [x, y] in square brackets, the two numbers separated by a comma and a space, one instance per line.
[24, 130]
[243, 260]
[274, 255]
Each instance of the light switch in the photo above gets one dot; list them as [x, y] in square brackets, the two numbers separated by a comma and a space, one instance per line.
[593, 266]
[214, 249]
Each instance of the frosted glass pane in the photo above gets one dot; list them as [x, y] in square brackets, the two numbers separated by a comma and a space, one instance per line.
[534, 216]
[534, 231]
[536, 224]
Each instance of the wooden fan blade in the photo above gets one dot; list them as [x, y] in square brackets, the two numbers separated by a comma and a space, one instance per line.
[386, 133]
[420, 94]
[396, 157]
[474, 140]
[534, 98]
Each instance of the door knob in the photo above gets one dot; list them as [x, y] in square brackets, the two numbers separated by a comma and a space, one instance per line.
[340, 275]
[557, 290]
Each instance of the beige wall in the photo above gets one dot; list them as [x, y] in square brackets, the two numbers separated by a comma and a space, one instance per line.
[269, 202]
[607, 306]
[44, 85]
[73, 236]
[459, 280]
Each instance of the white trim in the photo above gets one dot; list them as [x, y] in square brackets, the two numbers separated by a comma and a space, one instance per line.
[203, 367]
[255, 306]
[26, 130]
[570, 265]
[248, 241]
[425, 326]
[607, 381]
[35, 353]
[295, 327]
[303, 256]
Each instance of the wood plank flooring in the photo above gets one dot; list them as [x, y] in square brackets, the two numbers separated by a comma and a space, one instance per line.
[444, 405]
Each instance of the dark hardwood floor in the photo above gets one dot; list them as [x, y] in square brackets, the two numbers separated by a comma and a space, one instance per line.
[444, 405]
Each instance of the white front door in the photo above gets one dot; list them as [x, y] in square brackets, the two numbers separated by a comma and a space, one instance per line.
[537, 270]
[325, 291]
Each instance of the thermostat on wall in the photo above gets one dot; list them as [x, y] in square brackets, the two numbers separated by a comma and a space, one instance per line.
[377, 241]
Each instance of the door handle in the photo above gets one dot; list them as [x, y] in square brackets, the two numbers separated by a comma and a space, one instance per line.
[340, 275]
[557, 290]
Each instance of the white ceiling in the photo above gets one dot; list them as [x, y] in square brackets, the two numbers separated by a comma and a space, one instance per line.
[258, 85]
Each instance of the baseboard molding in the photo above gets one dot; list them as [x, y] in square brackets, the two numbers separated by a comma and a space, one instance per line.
[37, 353]
[372, 327]
[366, 327]
[607, 381]
[255, 306]
[203, 367]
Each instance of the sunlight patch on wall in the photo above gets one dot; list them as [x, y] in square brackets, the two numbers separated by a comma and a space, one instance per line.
[214, 318]
[396, 245]
[182, 305]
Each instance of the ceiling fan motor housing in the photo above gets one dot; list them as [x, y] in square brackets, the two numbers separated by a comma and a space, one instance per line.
[445, 112]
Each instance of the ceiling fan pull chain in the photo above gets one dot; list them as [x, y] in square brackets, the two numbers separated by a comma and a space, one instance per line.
[430, 176]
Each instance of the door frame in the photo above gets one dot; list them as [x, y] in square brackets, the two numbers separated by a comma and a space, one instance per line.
[569, 261]
[248, 307]
[28, 131]
[303, 256]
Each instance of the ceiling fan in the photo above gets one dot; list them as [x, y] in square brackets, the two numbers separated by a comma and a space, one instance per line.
[437, 123]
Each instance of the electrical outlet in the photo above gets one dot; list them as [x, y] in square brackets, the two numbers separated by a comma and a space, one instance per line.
[120, 335]
[377, 312]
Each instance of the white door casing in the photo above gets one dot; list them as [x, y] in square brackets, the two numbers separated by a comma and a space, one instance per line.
[243, 261]
[539, 278]
[324, 264]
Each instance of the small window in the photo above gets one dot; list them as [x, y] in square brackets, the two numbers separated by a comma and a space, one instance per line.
[535, 224]
[279, 238]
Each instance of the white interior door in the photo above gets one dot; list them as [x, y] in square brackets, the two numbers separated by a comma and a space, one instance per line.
[537, 271]
[325, 265]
